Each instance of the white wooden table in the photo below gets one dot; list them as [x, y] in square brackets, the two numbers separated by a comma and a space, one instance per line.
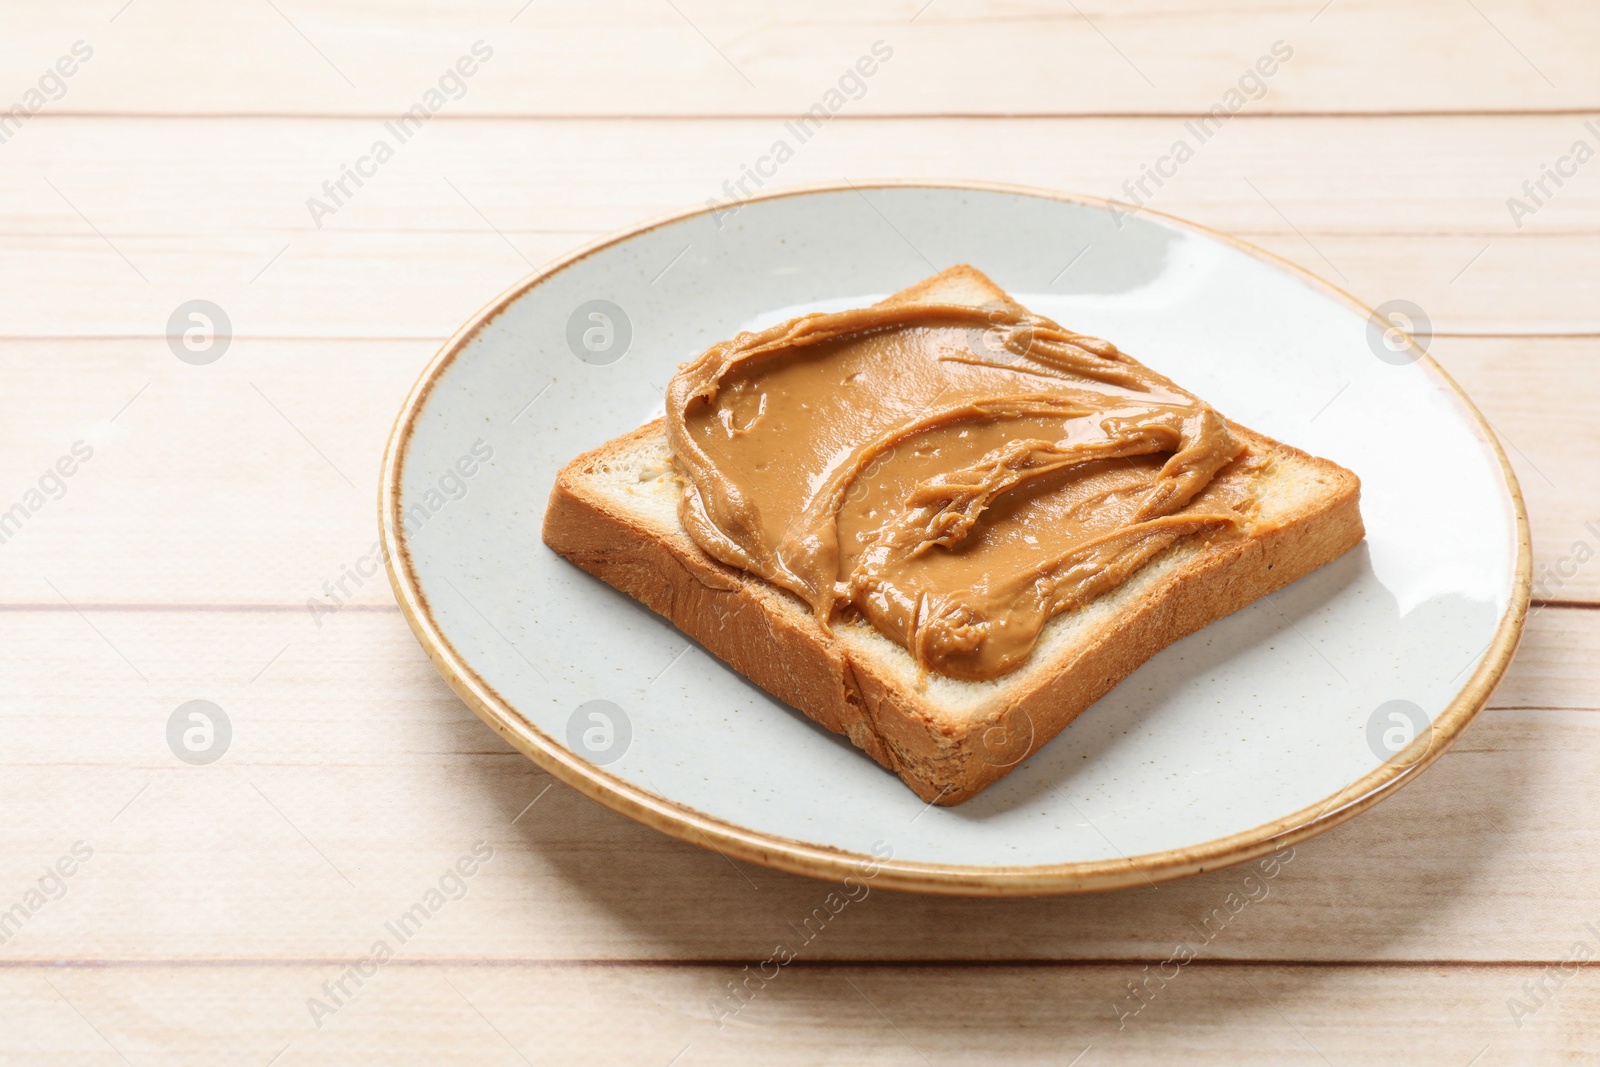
[212, 911]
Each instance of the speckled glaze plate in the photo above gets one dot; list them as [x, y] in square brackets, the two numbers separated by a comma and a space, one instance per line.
[1263, 729]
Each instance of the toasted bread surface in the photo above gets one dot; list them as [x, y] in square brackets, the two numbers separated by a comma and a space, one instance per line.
[613, 512]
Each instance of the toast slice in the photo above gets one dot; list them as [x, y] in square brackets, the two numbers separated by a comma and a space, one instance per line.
[614, 513]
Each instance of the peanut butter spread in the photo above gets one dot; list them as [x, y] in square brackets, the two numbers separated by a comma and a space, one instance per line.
[956, 475]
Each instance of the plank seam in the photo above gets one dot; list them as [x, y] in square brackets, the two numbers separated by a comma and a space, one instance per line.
[801, 964]
[780, 116]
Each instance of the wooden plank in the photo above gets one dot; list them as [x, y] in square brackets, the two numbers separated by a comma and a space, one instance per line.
[228, 481]
[354, 779]
[233, 483]
[718, 57]
[1538, 396]
[1327, 176]
[465, 1014]
[1401, 208]
[1413, 176]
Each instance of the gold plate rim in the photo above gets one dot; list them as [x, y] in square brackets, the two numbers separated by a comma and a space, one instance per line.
[799, 857]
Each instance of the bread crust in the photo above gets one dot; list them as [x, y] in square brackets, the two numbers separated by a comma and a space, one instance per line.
[945, 757]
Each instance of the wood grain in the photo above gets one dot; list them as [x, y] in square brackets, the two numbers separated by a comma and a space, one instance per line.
[355, 779]
[466, 208]
[177, 163]
[718, 57]
[1397, 176]
[465, 1014]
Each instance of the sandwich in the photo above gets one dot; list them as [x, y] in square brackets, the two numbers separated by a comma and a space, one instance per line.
[943, 525]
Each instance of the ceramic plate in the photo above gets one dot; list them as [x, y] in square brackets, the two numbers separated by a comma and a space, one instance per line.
[1261, 730]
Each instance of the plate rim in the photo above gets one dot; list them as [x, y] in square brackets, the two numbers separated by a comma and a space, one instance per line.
[823, 861]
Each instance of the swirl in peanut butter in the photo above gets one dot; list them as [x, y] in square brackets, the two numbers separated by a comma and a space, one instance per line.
[956, 475]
